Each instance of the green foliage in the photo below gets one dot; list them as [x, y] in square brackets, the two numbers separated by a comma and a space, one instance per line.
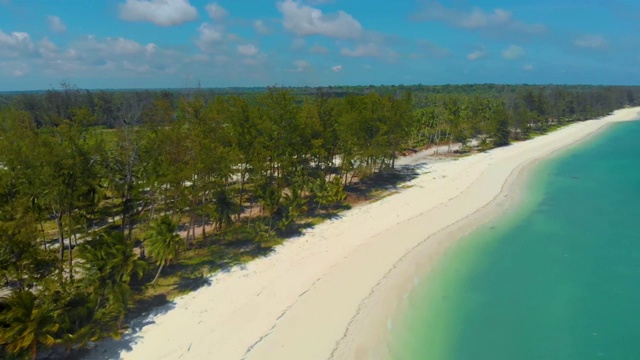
[224, 209]
[163, 243]
[118, 173]
[26, 322]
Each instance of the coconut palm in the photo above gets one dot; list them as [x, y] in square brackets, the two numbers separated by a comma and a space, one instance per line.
[26, 322]
[224, 209]
[163, 243]
[109, 264]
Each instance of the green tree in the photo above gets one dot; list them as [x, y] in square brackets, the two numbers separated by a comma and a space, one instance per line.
[109, 263]
[163, 243]
[224, 209]
[26, 322]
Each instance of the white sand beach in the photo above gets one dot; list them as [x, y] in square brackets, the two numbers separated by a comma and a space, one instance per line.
[303, 301]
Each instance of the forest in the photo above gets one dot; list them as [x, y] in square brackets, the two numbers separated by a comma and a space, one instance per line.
[112, 202]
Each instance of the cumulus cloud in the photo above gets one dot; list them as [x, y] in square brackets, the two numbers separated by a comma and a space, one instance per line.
[247, 50]
[116, 46]
[56, 24]
[477, 19]
[209, 36]
[478, 54]
[15, 39]
[90, 55]
[513, 52]
[299, 66]
[317, 49]
[216, 12]
[298, 43]
[261, 28]
[362, 50]
[15, 44]
[369, 49]
[591, 42]
[150, 49]
[305, 20]
[46, 48]
[431, 49]
[528, 67]
[337, 68]
[159, 12]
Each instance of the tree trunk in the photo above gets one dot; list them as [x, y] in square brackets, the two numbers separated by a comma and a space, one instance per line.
[157, 274]
[60, 235]
[44, 236]
[242, 181]
[34, 349]
[70, 261]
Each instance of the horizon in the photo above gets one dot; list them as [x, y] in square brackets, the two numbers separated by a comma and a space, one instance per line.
[181, 44]
[10, 92]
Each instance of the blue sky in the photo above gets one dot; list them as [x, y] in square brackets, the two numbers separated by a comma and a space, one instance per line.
[177, 43]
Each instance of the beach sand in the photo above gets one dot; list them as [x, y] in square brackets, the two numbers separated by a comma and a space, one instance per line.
[328, 293]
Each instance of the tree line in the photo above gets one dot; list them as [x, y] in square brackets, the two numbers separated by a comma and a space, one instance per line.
[100, 191]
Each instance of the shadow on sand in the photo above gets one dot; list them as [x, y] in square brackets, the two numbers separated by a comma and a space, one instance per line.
[201, 268]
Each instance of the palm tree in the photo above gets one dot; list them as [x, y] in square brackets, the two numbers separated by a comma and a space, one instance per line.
[224, 209]
[163, 243]
[108, 266]
[26, 322]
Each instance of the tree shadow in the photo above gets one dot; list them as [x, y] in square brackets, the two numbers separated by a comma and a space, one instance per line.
[367, 188]
[233, 248]
[108, 349]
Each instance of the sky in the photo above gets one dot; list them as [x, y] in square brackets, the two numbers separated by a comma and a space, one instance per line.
[115, 44]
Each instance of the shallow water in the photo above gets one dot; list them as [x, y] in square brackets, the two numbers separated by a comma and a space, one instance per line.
[558, 278]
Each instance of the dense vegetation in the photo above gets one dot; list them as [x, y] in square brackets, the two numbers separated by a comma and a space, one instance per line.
[102, 192]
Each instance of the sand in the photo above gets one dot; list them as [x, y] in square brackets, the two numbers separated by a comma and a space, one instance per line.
[321, 295]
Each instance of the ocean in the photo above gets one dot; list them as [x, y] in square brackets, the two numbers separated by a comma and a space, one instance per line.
[556, 278]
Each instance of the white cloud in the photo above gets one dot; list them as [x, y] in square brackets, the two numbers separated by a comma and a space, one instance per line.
[209, 36]
[47, 49]
[477, 19]
[298, 43]
[88, 57]
[247, 50]
[142, 68]
[478, 54]
[56, 24]
[200, 58]
[369, 50]
[112, 48]
[304, 20]
[431, 49]
[320, 2]
[216, 12]
[300, 66]
[159, 12]
[317, 49]
[337, 68]
[261, 27]
[13, 68]
[361, 50]
[15, 44]
[15, 39]
[591, 42]
[151, 49]
[513, 52]
[528, 67]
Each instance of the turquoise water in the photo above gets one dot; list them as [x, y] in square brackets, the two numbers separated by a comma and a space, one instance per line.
[557, 279]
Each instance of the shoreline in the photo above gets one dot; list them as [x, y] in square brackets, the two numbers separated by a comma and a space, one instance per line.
[300, 302]
[369, 331]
